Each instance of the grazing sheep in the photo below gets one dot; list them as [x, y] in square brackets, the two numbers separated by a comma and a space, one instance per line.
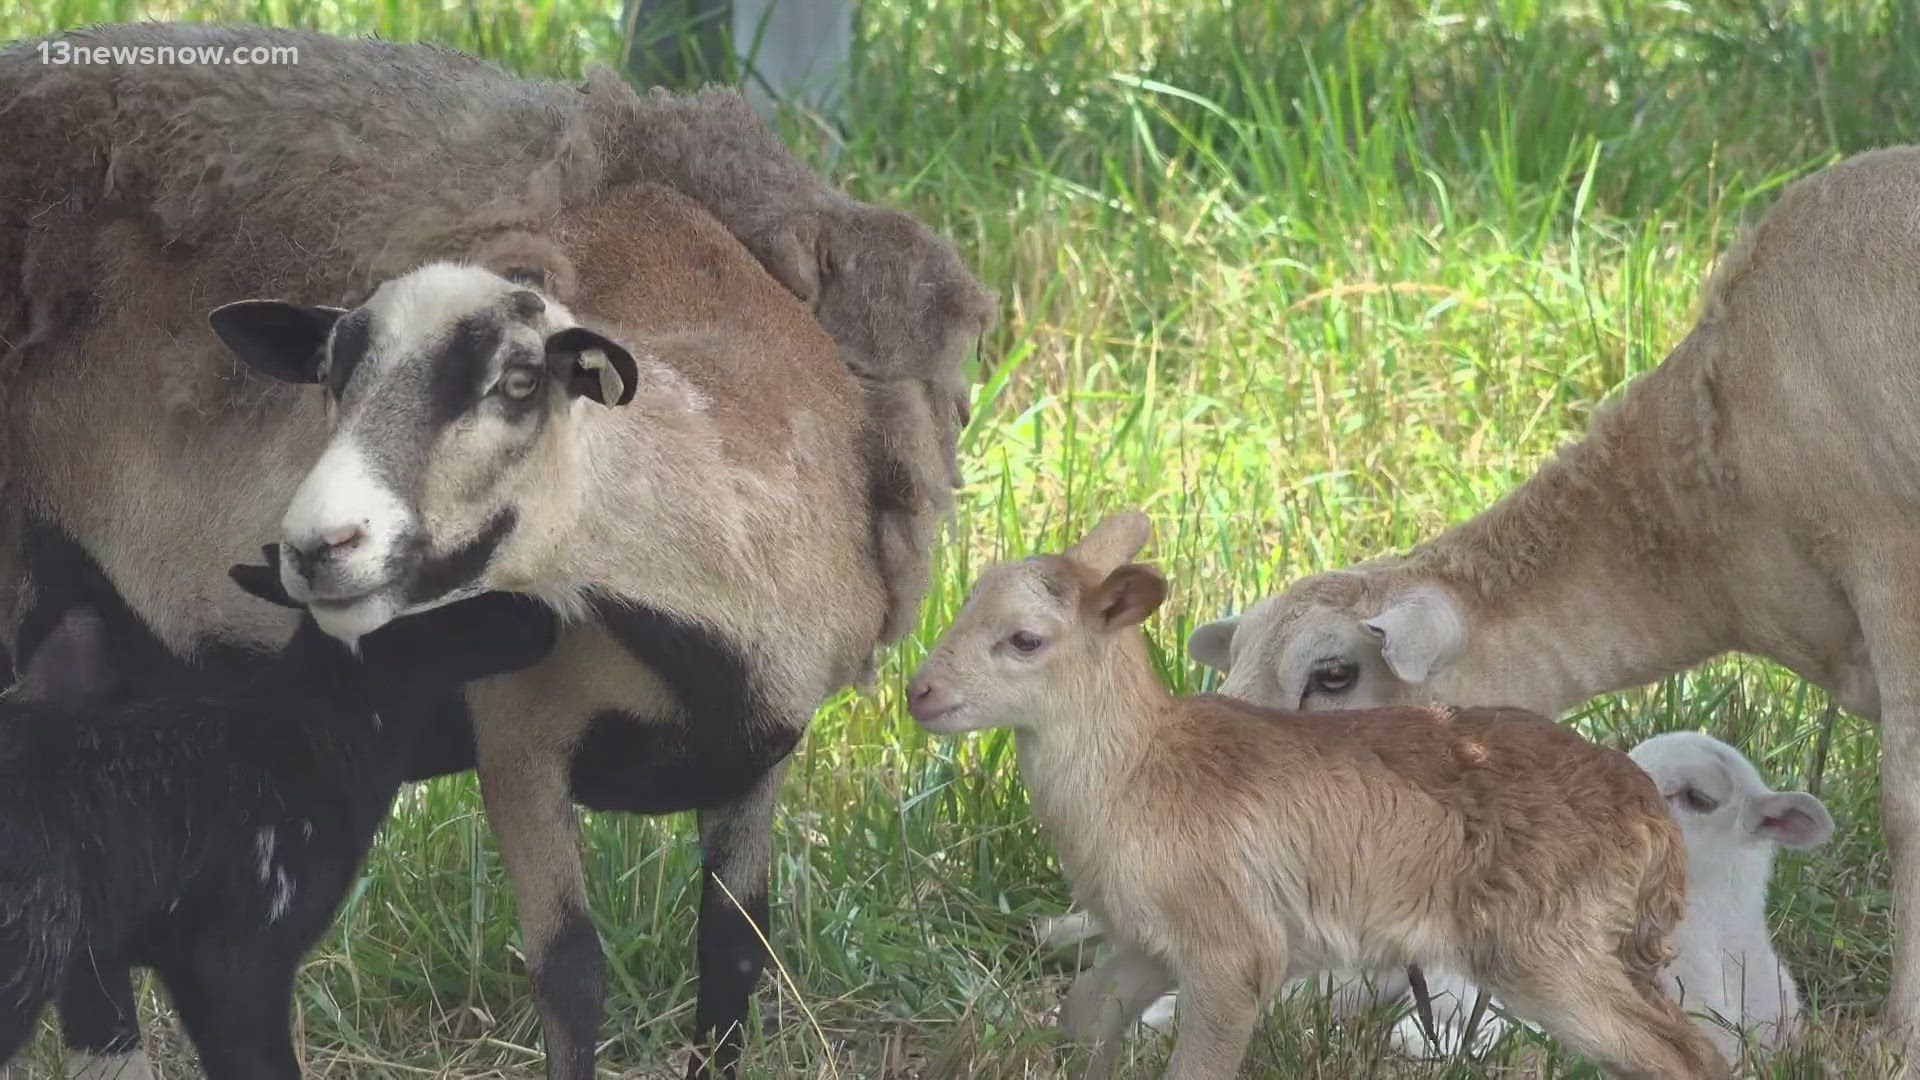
[1753, 493]
[134, 198]
[212, 834]
[1227, 846]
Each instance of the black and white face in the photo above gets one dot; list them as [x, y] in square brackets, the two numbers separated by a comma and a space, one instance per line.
[450, 391]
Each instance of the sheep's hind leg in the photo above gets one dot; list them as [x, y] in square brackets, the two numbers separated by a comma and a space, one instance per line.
[35, 945]
[1594, 1009]
[20, 1009]
[100, 1023]
[735, 842]
[1107, 998]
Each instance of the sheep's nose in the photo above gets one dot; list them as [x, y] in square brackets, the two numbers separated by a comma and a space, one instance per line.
[925, 701]
[344, 538]
[308, 555]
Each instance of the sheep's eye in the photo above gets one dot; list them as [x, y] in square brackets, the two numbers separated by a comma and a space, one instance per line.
[1335, 677]
[1697, 801]
[1024, 642]
[520, 382]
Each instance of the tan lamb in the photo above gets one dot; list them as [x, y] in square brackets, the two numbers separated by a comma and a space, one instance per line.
[1228, 847]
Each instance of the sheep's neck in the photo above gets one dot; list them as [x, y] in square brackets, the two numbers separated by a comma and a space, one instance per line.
[1727, 893]
[1076, 760]
[1567, 647]
[576, 484]
[348, 690]
[1597, 574]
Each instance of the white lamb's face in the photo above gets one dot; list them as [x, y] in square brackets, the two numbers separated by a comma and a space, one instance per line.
[1719, 800]
[449, 390]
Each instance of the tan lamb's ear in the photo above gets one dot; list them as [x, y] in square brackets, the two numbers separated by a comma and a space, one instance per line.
[1112, 542]
[1420, 632]
[1126, 597]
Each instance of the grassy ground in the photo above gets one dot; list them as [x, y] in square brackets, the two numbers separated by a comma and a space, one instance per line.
[1306, 281]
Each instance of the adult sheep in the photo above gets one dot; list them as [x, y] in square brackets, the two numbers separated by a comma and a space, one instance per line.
[135, 199]
[1757, 492]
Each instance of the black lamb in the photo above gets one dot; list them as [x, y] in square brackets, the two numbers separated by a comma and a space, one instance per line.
[211, 834]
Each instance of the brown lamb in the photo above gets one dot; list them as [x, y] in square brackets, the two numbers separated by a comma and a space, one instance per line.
[1228, 847]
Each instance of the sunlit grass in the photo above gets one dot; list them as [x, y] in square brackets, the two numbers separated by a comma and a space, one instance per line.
[1306, 282]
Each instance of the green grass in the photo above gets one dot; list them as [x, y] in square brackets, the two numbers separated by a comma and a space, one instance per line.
[1307, 282]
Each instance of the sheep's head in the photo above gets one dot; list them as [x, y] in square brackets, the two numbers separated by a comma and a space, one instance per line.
[1036, 632]
[898, 295]
[1721, 802]
[450, 392]
[1349, 639]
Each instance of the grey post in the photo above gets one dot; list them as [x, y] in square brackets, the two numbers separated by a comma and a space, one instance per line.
[782, 50]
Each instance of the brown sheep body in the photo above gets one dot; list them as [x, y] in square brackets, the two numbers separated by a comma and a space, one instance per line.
[134, 199]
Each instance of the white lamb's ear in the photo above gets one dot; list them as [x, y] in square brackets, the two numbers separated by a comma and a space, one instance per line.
[1212, 643]
[1792, 819]
[1420, 632]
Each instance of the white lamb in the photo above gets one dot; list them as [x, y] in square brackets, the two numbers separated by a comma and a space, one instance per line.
[1727, 972]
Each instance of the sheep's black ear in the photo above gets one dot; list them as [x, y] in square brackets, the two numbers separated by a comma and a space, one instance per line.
[277, 337]
[264, 581]
[592, 365]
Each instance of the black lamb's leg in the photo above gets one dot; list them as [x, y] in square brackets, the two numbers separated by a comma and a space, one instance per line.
[236, 1003]
[736, 841]
[100, 1022]
[29, 980]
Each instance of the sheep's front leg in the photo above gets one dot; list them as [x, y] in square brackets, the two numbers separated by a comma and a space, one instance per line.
[523, 779]
[1889, 612]
[235, 998]
[1219, 1008]
[736, 845]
